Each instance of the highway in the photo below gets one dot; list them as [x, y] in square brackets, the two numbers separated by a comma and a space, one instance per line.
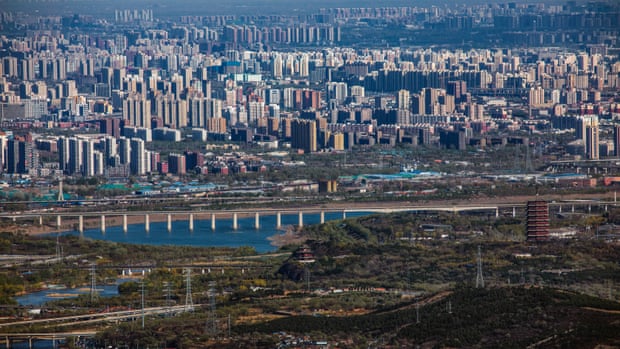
[101, 317]
[353, 207]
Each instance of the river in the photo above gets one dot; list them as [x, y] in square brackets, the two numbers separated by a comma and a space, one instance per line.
[223, 236]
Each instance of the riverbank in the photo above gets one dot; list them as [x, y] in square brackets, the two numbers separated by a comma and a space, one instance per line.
[94, 222]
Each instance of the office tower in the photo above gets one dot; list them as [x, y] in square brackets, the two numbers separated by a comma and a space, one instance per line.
[537, 220]
[303, 135]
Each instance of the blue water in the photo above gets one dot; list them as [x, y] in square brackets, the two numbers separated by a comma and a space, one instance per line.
[223, 236]
[38, 298]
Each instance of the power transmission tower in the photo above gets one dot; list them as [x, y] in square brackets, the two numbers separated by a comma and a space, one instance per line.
[93, 283]
[58, 249]
[307, 276]
[142, 301]
[212, 320]
[479, 277]
[168, 291]
[528, 159]
[517, 158]
[417, 313]
[189, 303]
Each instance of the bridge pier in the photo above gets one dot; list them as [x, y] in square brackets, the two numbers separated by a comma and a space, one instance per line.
[125, 223]
[169, 223]
[301, 219]
[344, 214]
[514, 212]
[191, 222]
[560, 209]
[589, 208]
[213, 221]
[573, 209]
[58, 222]
[278, 220]
[257, 221]
[497, 213]
[235, 224]
[322, 220]
[605, 208]
[40, 220]
[29, 342]
[147, 225]
[102, 224]
[81, 224]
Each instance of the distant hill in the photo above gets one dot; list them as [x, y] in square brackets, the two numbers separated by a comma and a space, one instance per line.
[510, 317]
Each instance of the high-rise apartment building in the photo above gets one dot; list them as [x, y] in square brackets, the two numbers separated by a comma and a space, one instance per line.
[303, 135]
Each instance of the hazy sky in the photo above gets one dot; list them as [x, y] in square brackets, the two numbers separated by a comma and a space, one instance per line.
[161, 8]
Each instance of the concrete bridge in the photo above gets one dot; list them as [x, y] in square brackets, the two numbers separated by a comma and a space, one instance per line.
[14, 338]
[77, 219]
